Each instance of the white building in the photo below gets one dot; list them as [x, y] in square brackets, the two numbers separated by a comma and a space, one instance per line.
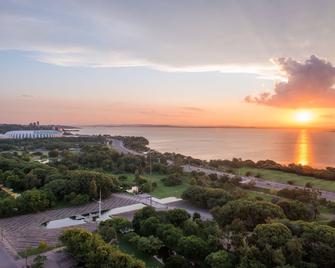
[33, 134]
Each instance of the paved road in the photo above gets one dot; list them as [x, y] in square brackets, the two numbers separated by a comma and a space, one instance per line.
[7, 261]
[119, 147]
[265, 184]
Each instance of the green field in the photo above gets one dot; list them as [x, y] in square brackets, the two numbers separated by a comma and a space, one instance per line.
[284, 177]
[252, 194]
[129, 249]
[161, 191]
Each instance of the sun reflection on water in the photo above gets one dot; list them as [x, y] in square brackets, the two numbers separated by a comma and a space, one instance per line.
[303, 154]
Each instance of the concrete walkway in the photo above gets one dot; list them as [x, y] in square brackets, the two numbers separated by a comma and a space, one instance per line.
[26, 231]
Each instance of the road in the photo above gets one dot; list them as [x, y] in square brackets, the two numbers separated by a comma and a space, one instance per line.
[265, 184]
[260, 183]
[120, 148]
[7, 261]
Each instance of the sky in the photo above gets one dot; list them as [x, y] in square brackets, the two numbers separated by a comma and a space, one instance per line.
[177, 62]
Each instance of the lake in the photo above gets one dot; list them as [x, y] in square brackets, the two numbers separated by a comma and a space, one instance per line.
[303, 146]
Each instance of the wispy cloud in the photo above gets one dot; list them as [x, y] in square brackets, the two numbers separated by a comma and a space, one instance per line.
[193, 109]
[27, 96]
[200, 39]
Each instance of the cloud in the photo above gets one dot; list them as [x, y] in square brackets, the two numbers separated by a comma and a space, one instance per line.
[193, 109]
[27, 96]
[328, 116]
[309, 85]
[221, 36]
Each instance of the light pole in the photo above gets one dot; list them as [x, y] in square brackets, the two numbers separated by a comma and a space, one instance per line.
[150, 169]
[99, 202]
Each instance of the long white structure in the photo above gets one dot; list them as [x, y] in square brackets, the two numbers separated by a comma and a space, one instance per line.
[33, 134]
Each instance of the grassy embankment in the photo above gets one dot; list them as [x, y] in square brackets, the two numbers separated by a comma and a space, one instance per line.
[285, 177]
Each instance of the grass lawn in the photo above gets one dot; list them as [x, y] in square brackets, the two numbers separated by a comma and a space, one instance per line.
[129, 249]
[283, 177]
[161, 191]
[252, 194]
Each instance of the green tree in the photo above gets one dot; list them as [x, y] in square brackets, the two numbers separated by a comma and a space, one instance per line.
[39, 261]
[274, 234]
[91, 251]
[149, 226]
[219, 259]
[107, 232]
[119, 224]
[177, 261]
[177, 216]
[53, 154]
[33, 201]
[141, 215]
[92, 192]
[206, 197]
[295, 210]
[192, 247]
[169, 234]
[149, 245]
[250, 213]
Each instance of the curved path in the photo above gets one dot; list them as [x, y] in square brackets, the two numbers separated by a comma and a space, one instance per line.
[265, 184]
[260, 183]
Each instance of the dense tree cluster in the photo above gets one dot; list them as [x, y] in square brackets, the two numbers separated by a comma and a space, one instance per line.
[296, 210]
[50, 144]
[249, 213]
[303, 195]
[206, 197]
[256, 235]
[293, 244]
[177, 232]
[173, 232]
[92, 252]
[42, 186]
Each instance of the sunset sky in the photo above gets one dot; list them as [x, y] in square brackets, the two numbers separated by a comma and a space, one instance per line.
[245, 63]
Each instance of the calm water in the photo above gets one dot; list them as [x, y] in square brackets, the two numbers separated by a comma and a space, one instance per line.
[308, 147]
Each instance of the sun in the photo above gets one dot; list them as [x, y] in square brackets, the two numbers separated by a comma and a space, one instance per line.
[303, 116]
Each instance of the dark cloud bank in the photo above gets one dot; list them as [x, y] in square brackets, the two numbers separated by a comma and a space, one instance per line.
[309, 85]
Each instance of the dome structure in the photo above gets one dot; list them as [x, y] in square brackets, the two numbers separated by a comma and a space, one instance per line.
[33, 134]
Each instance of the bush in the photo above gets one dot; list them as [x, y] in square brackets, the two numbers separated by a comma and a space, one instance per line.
[172, 180]
[79, 199]
[122, 178]
[206, 197]
[90, 250]
[177, 261]
[219, 259]
[296, 210]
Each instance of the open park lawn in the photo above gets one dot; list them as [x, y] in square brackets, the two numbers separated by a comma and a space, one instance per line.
[161, 191]
[284, 177]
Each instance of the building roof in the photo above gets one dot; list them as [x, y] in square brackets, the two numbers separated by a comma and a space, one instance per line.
[33, 133]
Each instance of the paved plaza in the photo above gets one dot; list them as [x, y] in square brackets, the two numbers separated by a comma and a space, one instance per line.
[20, 232]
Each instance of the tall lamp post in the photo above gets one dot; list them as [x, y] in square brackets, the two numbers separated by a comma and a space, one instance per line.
[150, 163]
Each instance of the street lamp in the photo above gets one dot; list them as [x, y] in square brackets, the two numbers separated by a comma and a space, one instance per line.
[150, 169]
